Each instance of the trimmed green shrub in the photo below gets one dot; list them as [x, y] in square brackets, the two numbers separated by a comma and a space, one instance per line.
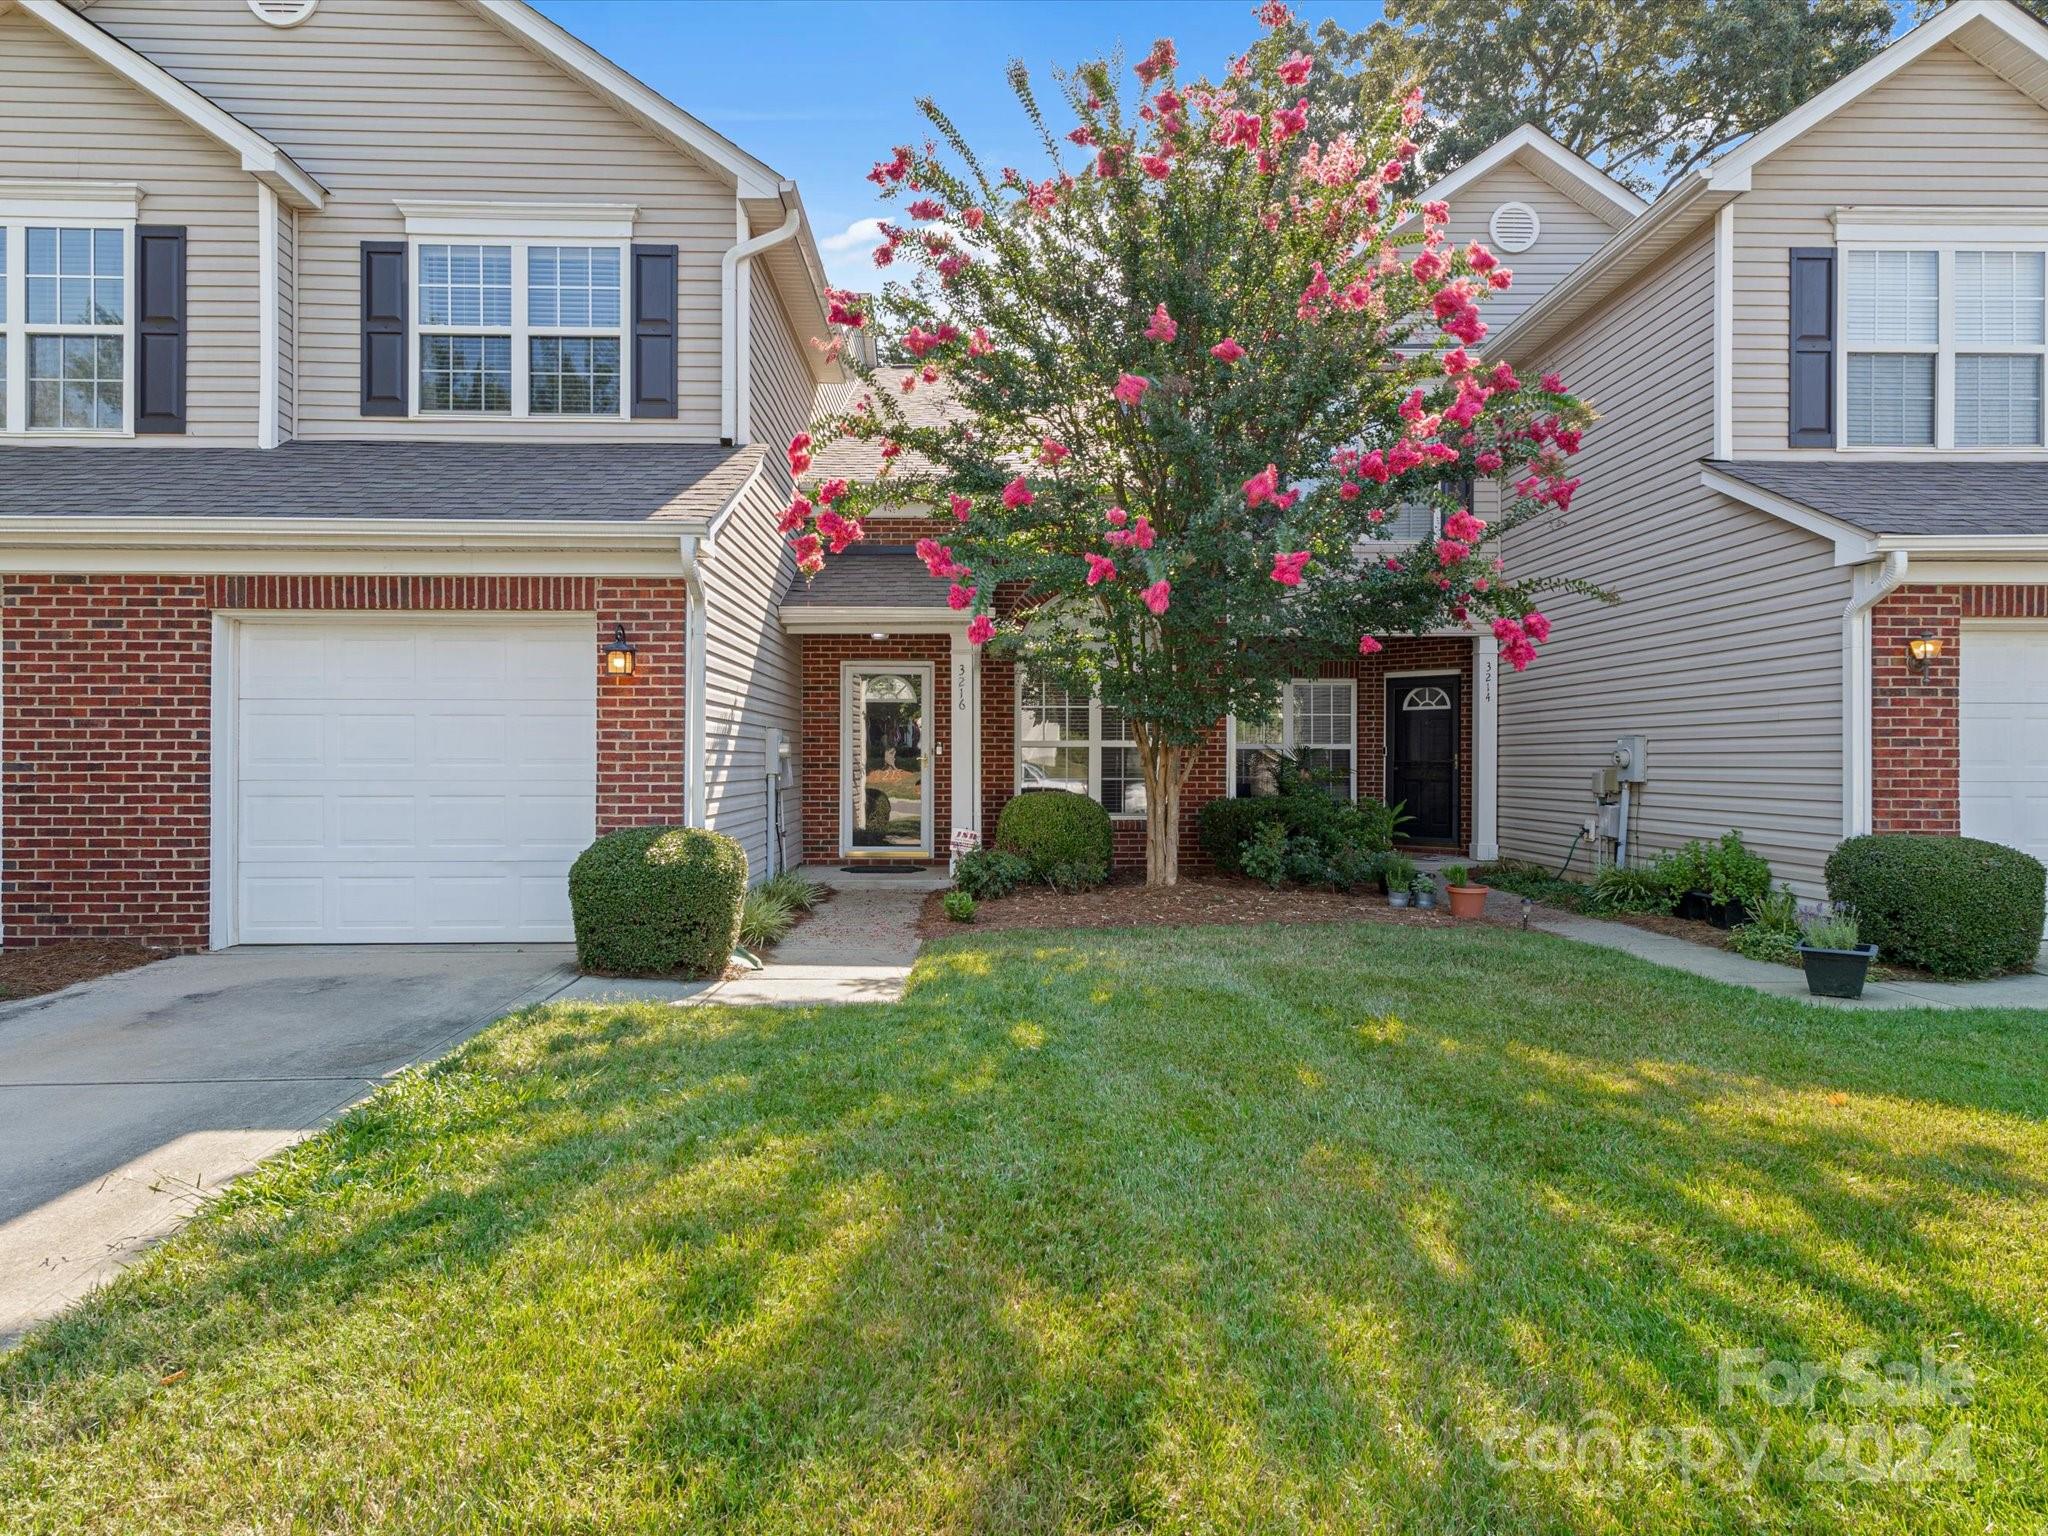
[1223, 827]
[658, 901]
[1264, 857]
[1955, 906]
[1735, 874]
[989, 874]
[1071, 875]
[1054, 826]
[1354, 869]
[959, 906]
[1307, 863]
[765, 917]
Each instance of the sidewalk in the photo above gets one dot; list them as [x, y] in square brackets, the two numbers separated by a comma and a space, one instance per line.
[2025, 991]
[857, 947]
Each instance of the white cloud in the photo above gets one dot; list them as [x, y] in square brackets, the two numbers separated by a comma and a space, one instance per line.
[858, 235]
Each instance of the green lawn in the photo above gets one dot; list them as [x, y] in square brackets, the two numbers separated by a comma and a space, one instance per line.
[1281, 1229]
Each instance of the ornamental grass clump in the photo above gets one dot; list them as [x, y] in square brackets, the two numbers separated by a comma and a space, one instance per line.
[1192, 368]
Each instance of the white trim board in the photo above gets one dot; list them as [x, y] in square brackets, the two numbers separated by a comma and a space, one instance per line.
[1852, 544]
[1573, 175]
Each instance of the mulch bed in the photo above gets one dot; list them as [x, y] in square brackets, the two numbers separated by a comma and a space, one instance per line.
[1202, 900]
[32, 972]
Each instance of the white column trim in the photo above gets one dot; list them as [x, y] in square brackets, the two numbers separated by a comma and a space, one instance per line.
[1869, 588]
[1485, 748]
[1724, 331]
[221, 808]
[966, 739]
[267, 283]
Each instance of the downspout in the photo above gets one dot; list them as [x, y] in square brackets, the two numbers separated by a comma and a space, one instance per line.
[695, 798]
[734, 409]
[1857, 704]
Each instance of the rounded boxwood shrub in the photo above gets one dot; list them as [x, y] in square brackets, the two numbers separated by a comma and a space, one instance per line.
[1055, 829]
[658, 901]
[1955, 906]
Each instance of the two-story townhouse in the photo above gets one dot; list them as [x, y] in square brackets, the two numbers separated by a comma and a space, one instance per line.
[885, 661]
[1818, 486]
[388, 469]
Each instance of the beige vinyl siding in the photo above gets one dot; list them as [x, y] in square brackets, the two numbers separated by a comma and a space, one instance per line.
[1568, 234]
[287, 320]
[1725, 647]
[1942, 132]
[66, 117]
[381, 100]
[751, 678]
[784, 396]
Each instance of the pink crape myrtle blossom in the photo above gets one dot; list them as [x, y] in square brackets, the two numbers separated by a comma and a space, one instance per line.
[962, 507]
[1227, 351]
[1100, 568]
[1287, 567]
[1157, 596]
[981, 630]
[958, 597]
[1368, 646]
[1130, 389]
[1017, 494]
[1161, 327]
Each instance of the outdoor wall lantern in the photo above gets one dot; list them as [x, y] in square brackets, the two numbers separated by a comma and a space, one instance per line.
[1922, 649]
[618, 656]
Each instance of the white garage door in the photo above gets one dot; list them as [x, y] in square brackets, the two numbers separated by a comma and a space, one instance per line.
[2004, 745]
[411, 781]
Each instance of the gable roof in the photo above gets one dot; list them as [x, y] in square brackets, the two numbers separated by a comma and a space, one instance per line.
[2000, 35]
[1572, 174]
[1900, 498]
[259, 157]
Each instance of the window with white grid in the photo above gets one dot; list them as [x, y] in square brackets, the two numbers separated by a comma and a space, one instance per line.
[1943, 347]
[520, 328]
[1314, 725]
[64, 300]
[1067, 740]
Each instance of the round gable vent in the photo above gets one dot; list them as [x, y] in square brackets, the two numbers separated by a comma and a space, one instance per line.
[283, 13]
[1514, 227]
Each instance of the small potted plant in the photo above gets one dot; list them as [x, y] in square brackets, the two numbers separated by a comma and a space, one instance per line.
[1835, 963]
[1424, 893]
[1467, 898]
[1397, 878]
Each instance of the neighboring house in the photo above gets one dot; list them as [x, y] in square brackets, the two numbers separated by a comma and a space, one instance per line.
[1818, 368]
[885, 660]
[370, 368]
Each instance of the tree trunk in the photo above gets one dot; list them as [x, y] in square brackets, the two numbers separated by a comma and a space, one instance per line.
[1166, 770]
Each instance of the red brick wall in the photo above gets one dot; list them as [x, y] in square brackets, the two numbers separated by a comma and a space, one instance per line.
[823, 729]
[1915, 761]
[105, 717]
[106, 721]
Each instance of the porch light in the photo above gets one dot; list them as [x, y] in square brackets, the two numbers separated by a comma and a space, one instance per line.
[878, 634]
[618, 656]
[1922, 649]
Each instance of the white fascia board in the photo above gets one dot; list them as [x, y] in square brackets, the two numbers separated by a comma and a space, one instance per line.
[335, 532]
[1852, 545]
[259, 157]
[111, 202]
[1603, 195]
[2007, 18]
[1972, 546]
[863, 621]
[638, 101]
[540, 220]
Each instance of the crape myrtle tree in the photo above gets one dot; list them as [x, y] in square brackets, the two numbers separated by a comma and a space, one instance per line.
[1192, 373]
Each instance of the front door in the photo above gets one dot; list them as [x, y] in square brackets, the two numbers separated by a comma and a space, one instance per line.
[1422, 756]
[888, 762]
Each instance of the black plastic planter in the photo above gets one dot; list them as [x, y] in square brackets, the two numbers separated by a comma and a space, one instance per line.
[1693, 905]
[1836, 972]
[1727, 914]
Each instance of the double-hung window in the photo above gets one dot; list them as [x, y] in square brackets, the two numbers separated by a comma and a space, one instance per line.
[66, 288]
[1067, 740]
[1943, 346]
[519, 325]
[1314, 725]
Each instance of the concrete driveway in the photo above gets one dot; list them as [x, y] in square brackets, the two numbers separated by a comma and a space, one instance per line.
[125, 1102]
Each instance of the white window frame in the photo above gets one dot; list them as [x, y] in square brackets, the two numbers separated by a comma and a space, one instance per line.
[520, 227]
[1094, 744]
[1908, 230]
[1288, 743]
[63, 205]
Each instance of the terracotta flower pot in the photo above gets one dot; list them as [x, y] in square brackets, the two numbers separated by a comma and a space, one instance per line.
[1468, 900]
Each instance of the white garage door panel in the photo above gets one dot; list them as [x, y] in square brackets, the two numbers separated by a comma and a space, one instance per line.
[406, 782]
[2004, 736]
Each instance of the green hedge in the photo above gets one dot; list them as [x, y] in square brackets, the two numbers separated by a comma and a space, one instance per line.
[1055, 829]
[1955, 906]
[658, 901]
[1224, 827]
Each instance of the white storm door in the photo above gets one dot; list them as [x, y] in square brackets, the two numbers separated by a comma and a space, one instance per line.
[411, 780]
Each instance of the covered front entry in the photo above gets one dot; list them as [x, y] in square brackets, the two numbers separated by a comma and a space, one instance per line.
[886, 766]
[1423, 728]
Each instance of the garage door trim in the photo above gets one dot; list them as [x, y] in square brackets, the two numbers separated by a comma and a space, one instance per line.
[225, 708]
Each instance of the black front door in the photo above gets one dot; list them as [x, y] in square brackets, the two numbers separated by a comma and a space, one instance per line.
[1422, 756]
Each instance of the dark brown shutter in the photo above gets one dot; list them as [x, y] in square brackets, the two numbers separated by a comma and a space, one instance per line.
[159, 328]
[1812, 393]
[654, 330]
[384, 372]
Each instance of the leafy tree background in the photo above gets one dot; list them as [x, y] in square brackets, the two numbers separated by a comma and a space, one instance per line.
[1645, 89]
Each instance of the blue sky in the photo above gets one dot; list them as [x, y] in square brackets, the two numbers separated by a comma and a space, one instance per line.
[821, 88]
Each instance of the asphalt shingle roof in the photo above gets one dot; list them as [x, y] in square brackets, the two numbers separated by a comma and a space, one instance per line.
[880, 577]
[928, 405]
[1908, 497]
[597, 482]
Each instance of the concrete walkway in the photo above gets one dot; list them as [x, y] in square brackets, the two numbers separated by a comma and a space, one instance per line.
[2025, 991]
[857, 947]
